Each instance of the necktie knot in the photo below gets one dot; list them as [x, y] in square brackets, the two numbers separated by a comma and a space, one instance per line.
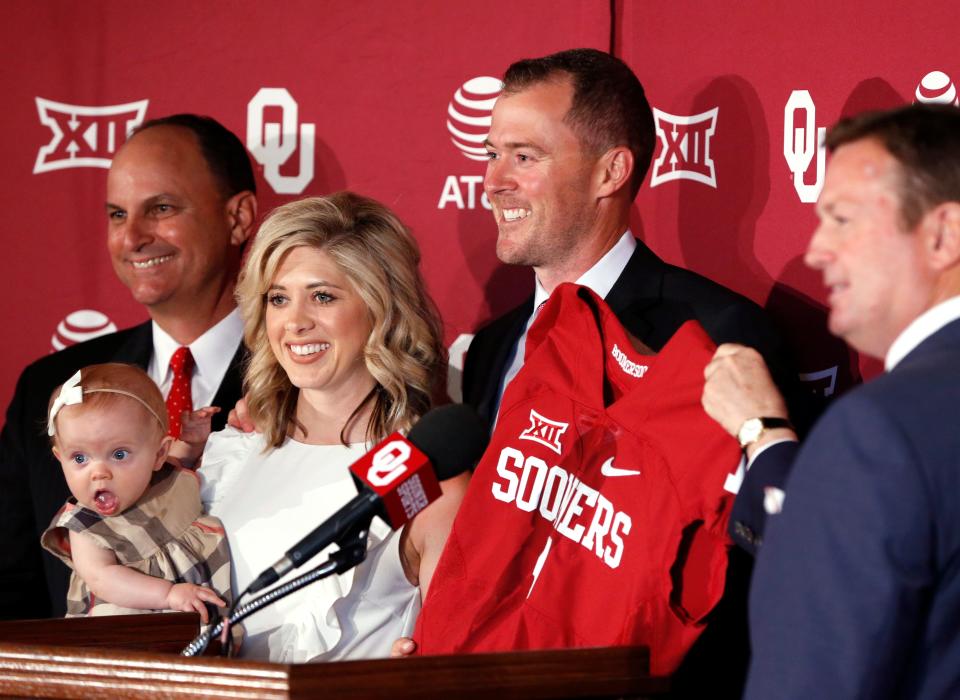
[182, 360]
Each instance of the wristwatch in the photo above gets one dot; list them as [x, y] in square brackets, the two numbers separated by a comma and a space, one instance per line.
[753, 428]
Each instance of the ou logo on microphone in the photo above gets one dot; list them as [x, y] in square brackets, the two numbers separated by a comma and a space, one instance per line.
[389, 463]
[272, 144]
[801, 144]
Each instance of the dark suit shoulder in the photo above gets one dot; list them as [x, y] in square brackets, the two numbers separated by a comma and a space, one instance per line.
[100, 349]
[653, 299]
[29, 403]
[726, 315]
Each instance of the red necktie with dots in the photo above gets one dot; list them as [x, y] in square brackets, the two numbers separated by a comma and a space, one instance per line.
[180, 399]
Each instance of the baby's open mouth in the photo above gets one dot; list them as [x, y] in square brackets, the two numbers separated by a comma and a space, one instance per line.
[106, 502]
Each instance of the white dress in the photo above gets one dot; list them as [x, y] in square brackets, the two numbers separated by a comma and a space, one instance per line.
[268, 501]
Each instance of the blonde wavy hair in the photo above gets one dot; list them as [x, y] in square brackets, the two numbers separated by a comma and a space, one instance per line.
[377, 253]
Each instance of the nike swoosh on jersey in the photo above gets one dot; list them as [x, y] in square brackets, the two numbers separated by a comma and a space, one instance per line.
[609, 470]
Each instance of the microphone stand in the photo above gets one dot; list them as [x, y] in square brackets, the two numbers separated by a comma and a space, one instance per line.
[353, 550]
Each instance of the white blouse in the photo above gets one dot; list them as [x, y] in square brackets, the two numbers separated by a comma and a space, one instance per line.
[268, 502]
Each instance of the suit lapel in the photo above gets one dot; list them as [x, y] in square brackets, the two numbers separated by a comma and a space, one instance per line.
[497, 351]
[137, 347]
[637, 292]
[231, 388]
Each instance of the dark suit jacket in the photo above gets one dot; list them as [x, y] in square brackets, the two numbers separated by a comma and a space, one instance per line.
[857, 588]
[652, 300]
[33, 583]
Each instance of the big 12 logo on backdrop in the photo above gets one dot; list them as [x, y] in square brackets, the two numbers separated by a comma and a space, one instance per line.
[468, 122]
[685, 147]
[85, 136]
[272, 143]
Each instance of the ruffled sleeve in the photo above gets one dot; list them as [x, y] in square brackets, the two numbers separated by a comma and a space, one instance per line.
[224, 454]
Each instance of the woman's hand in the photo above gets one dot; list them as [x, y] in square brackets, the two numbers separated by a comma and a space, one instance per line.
[239, 418]
[423, 537]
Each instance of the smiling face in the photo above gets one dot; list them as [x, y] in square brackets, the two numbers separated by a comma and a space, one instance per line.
[539, 178]
[875, 271]
[108, 453]
[318, 326]
[169, 230]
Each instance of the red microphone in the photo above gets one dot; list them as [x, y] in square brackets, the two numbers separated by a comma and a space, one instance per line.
[401, 476]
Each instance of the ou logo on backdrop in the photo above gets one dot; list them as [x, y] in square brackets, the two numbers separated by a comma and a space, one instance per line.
[273, 143]
[389, 463]
[801, 144]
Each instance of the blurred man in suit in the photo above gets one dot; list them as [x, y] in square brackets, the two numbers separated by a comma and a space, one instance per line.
[857, 587]
[181, 203]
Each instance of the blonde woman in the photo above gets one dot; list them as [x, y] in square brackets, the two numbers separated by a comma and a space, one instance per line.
[345, 348]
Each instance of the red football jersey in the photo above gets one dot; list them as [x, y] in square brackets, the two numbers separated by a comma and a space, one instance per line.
[598, 514]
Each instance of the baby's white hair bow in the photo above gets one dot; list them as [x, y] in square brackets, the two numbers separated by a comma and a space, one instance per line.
[70, 393]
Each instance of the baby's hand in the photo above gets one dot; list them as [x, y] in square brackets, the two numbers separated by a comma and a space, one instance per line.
[195, 426]
[194, 431]
[189, 597]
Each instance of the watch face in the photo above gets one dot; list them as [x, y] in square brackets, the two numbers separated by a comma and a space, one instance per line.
[750, 431]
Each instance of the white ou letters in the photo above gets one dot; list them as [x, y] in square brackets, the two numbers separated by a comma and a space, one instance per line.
[389, 463]
[801, 144]
[273, 143]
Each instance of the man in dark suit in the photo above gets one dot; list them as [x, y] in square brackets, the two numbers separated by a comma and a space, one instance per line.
[571, 140]
[181, 203]
[857, 588]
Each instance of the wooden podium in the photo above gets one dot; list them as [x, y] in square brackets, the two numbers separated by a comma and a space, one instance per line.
[136, 656]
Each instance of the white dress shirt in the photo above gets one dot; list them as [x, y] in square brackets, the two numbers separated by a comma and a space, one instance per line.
[921, 328]
[212, 353]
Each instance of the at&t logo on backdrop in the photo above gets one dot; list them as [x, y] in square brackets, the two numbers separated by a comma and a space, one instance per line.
[802, 143]
[85, 136]
[272, 143]
[685, 151]
[468, 122]
[79, 326]
[936, 87]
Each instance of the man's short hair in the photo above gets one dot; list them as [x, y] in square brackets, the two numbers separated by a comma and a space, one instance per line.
[222, 150]
[925, 140]
[609, 106]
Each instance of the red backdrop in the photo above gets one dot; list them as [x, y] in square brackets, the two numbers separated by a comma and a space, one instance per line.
[366, 97]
